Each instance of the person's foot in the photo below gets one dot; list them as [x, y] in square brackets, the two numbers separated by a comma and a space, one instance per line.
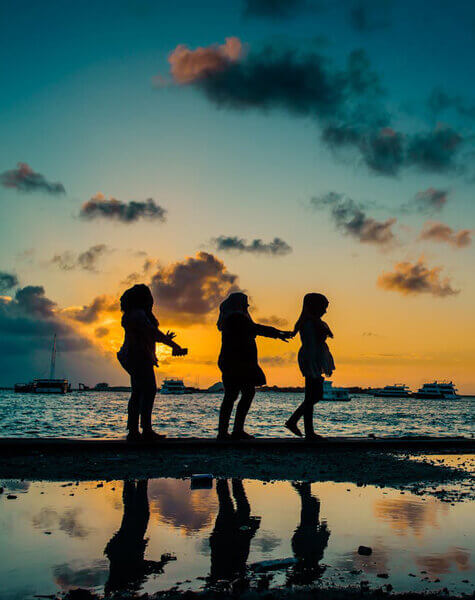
[153, 436]
[293, 428]
[134, 436]
[241, 435]
[313, 436]
[223, 436]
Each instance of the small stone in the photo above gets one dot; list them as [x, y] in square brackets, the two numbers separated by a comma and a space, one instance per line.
[365, 550]
[11, 497]
[383, 575]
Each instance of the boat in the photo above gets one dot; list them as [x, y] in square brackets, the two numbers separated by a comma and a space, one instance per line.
[46, 386]
[437, 390]
[398, 390]
[172, 386]
[334, 394]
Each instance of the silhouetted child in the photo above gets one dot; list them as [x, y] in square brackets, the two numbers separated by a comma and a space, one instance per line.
[315, 360]
[238, 361]
[138, 358]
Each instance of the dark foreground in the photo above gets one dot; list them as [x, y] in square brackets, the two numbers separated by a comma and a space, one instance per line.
[438, 466]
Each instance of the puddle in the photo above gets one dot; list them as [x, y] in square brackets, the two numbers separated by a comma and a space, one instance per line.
[157, 534]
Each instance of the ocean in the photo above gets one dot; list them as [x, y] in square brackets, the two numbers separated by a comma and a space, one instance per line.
[104, 415]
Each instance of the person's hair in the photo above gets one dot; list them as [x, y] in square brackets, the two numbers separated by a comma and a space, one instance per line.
[236, 302]
[312, 308]
[138, 296]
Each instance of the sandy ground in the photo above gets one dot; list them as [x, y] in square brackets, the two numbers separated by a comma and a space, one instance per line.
[448, 476]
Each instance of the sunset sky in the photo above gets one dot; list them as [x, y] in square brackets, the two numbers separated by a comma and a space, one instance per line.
[271, 146]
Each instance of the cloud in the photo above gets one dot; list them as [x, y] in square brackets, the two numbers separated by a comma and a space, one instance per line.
[345, 102]
[274, 321]
[87, 260]
[101, 332]
[24, 179]
[352, 220]
[366, 15]
[90, 313]
[275, 9]
[434, 151]
[280, 360]
[439, 101]
[277, 247]
[427, 202]
[190, 65]
[418, 278]
[7, 281]
[125, 212]
[188, 291]
[440, 232]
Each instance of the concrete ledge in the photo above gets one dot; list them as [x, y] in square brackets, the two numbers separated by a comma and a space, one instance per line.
[12, 446]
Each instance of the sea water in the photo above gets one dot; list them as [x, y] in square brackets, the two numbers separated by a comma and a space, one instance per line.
[104, 415]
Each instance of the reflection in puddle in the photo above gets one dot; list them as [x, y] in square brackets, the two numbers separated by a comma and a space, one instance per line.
[153, 535]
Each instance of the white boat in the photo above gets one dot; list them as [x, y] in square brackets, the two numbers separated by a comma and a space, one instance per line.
[172, 386]
[336, 394]
[441, 390]
[46, 386]
[398, 390]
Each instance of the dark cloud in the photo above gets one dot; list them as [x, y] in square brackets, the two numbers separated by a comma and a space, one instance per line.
[279, 361]
[346, 103]
[434, 151]
[274, 321]
[277, 247]
[24, 179]
[87, 260]
[188, 291]
[7, 281]
[101, 332]
[276, 9]
[410, 279]
[440, 232]
[369, 15]
[427, 202]
[352, 220]
[125, 212]
[90, 313]
[439, 101]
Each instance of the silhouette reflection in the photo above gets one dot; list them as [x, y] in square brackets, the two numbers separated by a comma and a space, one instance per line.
[234, 529]
[126, 549]
[309, 540]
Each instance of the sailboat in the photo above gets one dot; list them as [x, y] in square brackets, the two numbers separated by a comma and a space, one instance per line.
[46, 386]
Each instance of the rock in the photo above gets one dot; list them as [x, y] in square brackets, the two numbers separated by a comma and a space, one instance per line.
[80, 594]
[365, 550]
[1, 490]
[11, 497]
[383, 575]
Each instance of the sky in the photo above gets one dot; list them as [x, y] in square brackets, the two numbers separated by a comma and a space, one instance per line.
[272, 146]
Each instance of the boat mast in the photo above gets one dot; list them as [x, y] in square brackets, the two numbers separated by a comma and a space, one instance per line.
[53, 359]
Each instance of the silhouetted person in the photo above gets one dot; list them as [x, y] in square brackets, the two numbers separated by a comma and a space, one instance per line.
[126, 549]
[138, 358]
[309, 540]
[238, 361]
[233, 531]
[315, 360]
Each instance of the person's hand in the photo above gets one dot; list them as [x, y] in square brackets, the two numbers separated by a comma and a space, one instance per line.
[282, 335]
[179, 351]
[170, 335]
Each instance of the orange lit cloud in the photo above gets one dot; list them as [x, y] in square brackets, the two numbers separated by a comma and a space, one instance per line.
[418, 278]
[189, 65]
[440, 232]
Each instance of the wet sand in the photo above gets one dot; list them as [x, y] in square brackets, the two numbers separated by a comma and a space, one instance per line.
[442, 474]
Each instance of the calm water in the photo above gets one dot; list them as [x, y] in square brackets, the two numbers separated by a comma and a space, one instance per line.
[97, 414]
[156, 534]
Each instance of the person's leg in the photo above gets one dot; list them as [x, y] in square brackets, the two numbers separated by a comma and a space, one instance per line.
[134, 405]
[313, 394]
[231, 394]
[247, 395]
[149, 390]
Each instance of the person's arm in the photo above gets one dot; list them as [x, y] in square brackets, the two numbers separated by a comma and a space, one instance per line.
[167, 340]
[271, 332]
